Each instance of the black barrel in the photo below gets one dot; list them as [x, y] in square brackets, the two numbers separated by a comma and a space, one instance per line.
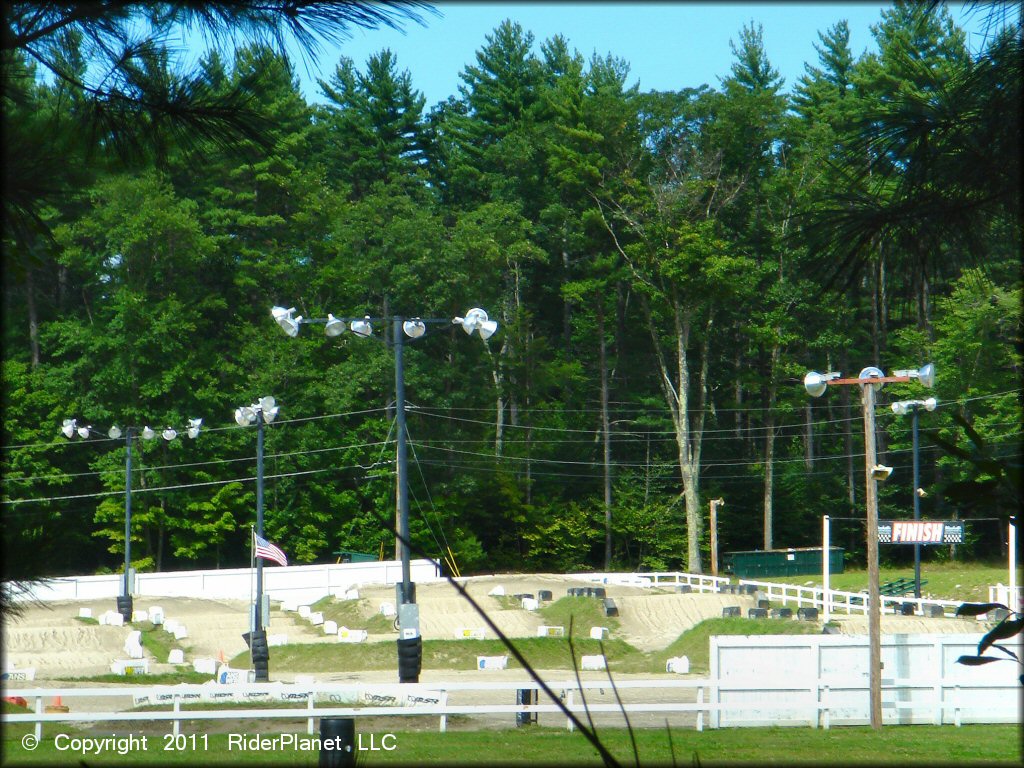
[337, 742]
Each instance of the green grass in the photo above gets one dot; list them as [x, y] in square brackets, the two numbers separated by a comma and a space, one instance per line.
[912, 745]
[695, 643]
[156, 641]
[583, 612]
[185, 674]
[87, 620]
[549, 653]
[354, 614]
[947, 580]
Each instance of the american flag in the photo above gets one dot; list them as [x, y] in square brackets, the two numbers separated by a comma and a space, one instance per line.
[268, 551]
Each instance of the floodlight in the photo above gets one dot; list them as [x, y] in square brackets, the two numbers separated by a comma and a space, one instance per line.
[114, 432]
[362, 327]
[476, 320]
[268, 408]
[815, 384]
[881, 472]
[193, 427]
[334, 327]
[83, 432]
[289, 324]
[147, 433]
[900, 407]
[930, 404]
[244, 416]
[69, 427]
[169, 434]
[871, 372]
[414, 328]
[926, 375]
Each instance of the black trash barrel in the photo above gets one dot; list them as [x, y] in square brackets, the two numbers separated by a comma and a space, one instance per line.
[337, 742]
[526, 696]
[410, 659]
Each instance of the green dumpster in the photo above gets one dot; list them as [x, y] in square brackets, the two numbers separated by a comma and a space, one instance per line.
[770, 563]
[347, 556]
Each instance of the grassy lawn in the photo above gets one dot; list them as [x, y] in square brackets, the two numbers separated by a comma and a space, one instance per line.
[917, 745]
[968, 582]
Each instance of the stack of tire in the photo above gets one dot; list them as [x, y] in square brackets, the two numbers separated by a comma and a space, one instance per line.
[124, 606]
[260, 655]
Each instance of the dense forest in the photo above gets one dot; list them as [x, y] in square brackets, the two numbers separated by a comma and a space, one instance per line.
[664, 268]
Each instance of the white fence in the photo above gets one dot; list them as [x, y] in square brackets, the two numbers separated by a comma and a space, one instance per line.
[818, 701]
[696, 581]
[847, 602]
[823, 679]
[1000, 593]
[301, 583]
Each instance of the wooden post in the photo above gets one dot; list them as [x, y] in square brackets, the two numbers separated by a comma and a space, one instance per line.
[874, 597]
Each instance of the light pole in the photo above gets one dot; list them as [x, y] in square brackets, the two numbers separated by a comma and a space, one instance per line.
[70, 428]
[259, 413]
[410, 644]
[869, 380]
[901, 407]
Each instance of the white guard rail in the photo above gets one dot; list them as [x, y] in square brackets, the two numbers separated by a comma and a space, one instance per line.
[432, 700]
[848, 602]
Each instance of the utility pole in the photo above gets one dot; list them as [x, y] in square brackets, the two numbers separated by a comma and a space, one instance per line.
[874, 593]
[715, 504]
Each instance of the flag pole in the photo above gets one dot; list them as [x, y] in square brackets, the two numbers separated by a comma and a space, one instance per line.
[252, 576]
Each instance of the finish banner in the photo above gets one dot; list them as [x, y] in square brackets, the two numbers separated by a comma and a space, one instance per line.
[920, 531]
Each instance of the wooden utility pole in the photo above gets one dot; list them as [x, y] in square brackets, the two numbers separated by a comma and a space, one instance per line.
[715, 504]
[874, 595]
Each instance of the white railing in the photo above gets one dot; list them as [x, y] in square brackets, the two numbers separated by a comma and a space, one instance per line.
[1000, 593]
[817, 710]
[698, 582]
[839, 601]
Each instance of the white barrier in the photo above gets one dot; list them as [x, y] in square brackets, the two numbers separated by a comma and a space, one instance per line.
[530, 603]
[302, 583]
[180, 632]
[289, 605]
[170, 625]
[279, 639]
[133, 644]
[205, 666]
[176, 656]
[470, 633]
[156, 615]
[545, 631]
[130, 667]
[679, 665]
[591, 663]
[140, 615]
[598, 633]
[316, 618]
[346, 635]
[950, 701]
[387, 610]
[491, 662]
[85, 613]
[498, 591]
[304, 611]
[330, 627]
[24, 674]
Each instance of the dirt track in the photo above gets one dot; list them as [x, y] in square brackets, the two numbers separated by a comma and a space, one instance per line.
[57, 644]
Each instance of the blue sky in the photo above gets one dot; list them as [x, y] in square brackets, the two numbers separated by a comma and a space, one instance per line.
[667, 45]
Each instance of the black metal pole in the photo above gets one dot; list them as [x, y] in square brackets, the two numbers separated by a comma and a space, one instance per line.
[402, 465]
[410, 644]
[125, 603]
[259, 648]
[917, 508]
